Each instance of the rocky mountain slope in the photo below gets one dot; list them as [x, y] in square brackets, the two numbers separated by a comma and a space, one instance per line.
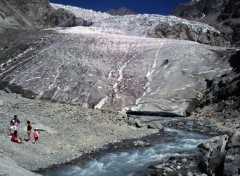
[222, 14]
[113, 64]
[132, 64]
[121, 11]
[27, 14]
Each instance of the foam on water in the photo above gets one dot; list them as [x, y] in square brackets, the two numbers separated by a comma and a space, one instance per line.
[130, 162]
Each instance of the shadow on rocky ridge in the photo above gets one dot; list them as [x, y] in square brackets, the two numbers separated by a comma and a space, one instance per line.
[28, 14]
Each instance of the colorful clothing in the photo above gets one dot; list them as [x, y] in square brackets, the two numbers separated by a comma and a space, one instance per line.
[14, 138]
[35, 134]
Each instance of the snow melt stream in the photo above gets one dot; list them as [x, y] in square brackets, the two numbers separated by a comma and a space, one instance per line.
[131, 162]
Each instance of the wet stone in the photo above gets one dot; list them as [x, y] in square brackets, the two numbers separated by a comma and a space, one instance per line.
[189, 174]
[184, 160]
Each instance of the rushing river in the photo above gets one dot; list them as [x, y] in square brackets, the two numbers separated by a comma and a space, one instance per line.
[131, 162]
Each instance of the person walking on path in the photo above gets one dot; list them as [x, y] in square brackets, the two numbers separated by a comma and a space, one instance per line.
[35, 135]
[14, 125]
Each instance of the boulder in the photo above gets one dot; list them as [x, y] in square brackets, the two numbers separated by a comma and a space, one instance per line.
[138, 123]
[214, 151]
[232, 160]
[141, 143]
[156, 125]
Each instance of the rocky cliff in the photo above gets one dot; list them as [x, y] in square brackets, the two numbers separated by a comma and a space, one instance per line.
[222, 14]
[28, 14]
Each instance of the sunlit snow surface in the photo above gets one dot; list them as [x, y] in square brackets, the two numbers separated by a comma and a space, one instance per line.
[130, 162]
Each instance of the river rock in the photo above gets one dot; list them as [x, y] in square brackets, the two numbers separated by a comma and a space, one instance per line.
[136, 122]
[214, 151]
[184, 160]
[189, 174]
[232, 159]
[167, 169]
[158, 166]
[139, 123]
[214, 142]
[141, 143]
[156, 125]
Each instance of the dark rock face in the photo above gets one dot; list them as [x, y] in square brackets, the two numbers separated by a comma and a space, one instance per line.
[225, 91]
[121, 11]
[213, 160]
[32, 14]
[232, 159]
[221, 155]
[199, 9]
[183, 32]
[222, 14]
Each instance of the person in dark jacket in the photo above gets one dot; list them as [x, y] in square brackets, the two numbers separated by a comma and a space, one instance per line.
[14, 124]
[29, 129]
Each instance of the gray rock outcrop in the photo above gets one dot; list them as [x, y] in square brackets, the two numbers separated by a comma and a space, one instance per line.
[184, 32]
[221, 155]
[232, 159]
[213, 161]
[156, 125]
[26, 14]
[222, 14]
[221, 101]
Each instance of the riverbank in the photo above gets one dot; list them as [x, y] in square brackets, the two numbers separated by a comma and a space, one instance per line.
[68, 132]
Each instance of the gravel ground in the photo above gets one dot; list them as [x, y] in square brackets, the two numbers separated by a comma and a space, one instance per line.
[69, 132]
